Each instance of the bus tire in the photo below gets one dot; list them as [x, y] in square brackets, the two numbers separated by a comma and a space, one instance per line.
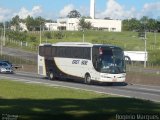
[51, 76]
[87, 79]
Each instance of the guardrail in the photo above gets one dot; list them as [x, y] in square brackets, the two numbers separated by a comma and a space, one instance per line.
[17, 66]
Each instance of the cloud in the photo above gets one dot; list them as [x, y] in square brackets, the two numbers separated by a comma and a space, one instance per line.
[5, 14]
[150, 9]
[64, 12]
[116, 11]
[84, 11]
[151, 6]
[23, 13]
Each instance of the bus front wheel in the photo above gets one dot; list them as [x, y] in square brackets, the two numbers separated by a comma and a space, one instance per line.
[87, 79]
[51, 76]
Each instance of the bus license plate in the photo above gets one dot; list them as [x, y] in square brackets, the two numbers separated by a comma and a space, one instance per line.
[114, 79]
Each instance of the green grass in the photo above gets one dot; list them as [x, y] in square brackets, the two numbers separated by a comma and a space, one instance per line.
[124, 39]
[39, 102]
[127, 40]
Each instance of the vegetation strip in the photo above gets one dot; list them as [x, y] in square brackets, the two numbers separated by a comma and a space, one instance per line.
[36, 101]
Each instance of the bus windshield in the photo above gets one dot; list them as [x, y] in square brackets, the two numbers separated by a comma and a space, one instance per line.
[111, 61]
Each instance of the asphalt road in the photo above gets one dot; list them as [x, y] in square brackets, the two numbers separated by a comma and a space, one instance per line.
[132, 90]
[20, 53]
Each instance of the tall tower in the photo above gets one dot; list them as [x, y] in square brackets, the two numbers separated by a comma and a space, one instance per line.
[92, 9]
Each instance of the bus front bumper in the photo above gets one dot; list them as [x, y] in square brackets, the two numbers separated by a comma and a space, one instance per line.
[112, 77]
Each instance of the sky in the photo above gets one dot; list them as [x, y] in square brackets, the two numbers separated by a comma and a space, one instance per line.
[53, 9]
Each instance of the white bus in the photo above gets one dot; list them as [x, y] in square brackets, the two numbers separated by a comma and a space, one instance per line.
[86, 61]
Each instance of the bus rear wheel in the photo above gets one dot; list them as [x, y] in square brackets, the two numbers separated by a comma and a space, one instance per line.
[87, 79]
[51, 76]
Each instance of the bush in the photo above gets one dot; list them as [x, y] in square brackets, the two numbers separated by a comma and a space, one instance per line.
[48, 35]
[58, 35]
[154, 57]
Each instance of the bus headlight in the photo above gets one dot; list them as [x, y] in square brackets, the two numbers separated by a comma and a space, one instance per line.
[104, 76]
[122, 76]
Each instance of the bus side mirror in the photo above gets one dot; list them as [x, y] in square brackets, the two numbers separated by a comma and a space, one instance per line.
[127, 59]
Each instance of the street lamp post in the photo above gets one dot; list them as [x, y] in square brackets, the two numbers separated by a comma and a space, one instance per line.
[83, 35]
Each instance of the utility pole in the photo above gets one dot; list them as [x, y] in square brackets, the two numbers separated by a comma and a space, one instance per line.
[1, 42]
[145, 49]
[145, 43]
[4, 36]
[40, 35]
[155, 39]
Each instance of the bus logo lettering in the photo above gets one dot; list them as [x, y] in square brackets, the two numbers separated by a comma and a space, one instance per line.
[75, 61]
[84, 62]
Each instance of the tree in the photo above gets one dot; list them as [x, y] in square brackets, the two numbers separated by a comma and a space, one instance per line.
[30, 23]
[158, 25]
[131, 24]
[74, 14]
[84, 25]
[15, 21]
[39, 21]
[152, 25]
[34, 24]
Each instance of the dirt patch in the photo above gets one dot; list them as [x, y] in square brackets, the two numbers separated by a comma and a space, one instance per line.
[143, 78]
[27, 68]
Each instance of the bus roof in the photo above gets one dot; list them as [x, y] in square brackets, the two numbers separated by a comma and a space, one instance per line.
[77, 44]
[74, 43]
[68, 44]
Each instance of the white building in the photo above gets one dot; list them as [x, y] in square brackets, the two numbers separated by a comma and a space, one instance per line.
[51, 26]
[23, 27]
[107, 25]
[71, 24]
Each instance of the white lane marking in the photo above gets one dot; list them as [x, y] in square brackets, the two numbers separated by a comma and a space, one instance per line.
[27, 73]
[138, 92]
[114, 94]
[14, 79]
[149, 86]
[27, 81]
[147, 89]
[34, 82]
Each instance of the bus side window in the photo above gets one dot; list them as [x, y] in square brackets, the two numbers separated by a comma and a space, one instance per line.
[87, 53]
[53, 51]
[41, 51]
[47, 50]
